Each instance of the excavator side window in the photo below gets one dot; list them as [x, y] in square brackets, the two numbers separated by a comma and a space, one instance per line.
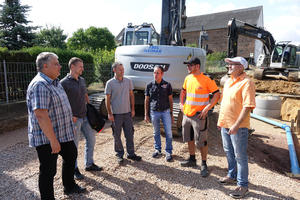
[286, 55]
[293, 55]
[155, 38]
[277, 54]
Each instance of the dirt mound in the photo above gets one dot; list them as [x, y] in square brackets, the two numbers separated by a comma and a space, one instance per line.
[277, 87]
[290, 105]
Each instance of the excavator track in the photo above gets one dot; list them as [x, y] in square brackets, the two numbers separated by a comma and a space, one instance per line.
[258, 74]
[293, 76]
[176, 127]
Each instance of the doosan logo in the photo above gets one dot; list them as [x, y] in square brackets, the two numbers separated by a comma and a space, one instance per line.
[149, 67]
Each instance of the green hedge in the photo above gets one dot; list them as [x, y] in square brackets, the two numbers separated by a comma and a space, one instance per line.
[30, 54]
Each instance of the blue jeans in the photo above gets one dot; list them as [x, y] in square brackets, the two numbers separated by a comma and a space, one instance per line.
[167, 122]
[82, 126]
[235, 147]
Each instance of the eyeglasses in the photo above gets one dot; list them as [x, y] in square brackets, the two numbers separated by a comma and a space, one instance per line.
[234, 64]
[190, 65]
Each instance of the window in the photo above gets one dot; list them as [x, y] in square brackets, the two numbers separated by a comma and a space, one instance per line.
[141, 38]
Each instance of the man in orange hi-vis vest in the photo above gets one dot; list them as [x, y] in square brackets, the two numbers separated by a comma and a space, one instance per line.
[195, 91]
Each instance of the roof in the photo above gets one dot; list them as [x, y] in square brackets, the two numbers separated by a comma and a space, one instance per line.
[220, 20]
[119, 37]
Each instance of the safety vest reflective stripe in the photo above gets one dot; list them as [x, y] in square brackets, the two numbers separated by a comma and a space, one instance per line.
[203, 103]
[197, 95]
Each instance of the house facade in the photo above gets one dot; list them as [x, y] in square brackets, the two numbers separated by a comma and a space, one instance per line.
[216, 25]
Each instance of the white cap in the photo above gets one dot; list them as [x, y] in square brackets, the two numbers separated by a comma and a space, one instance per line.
[240, 60]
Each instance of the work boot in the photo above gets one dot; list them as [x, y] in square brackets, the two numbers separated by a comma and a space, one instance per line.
[188, 163]
[204, 170]
[226, 180]
[239, 192]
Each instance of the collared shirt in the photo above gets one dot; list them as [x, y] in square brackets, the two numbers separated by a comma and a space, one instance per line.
[120, 94]
[159, 94]
[197, 93]
[237, 95]
[76, 91]
[45, 93]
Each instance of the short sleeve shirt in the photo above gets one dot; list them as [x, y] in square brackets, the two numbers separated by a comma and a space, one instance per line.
[237, 95]
[197, 89]
[76, 91]
[120, 94]
[159, 95]
[45, 93]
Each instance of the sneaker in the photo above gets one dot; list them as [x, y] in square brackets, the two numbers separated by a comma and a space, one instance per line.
[169, 157]
[135, 157]
[226, 180]
[204, 170]
[188, 163]
[239, 192]
[75, 190]
[93, 167]
[156, 153]
[120, 159]
[77, 174]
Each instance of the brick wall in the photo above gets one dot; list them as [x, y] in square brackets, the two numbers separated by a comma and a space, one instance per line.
[218, 42]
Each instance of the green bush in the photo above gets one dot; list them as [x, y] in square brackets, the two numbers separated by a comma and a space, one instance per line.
[103, 60]
[217, 56]
[193, 45]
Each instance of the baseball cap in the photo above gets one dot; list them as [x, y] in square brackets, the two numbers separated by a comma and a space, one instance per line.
[240, 60]
[193, 60]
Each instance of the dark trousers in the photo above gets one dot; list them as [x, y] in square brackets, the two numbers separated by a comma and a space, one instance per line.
[123, 121]
[48, 163]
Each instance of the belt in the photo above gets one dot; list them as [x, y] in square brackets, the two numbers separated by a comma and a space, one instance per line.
[160, 110]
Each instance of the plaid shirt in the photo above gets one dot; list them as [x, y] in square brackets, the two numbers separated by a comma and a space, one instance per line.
[45, 93]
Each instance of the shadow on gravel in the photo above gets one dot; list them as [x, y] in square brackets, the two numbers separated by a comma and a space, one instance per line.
[187, 178]
[133, 189]
[13, 159]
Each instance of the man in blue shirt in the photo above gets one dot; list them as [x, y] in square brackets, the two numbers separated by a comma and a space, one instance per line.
[158, 94]
[50, 126]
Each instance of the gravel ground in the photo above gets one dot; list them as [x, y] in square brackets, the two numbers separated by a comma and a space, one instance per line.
[149, 179]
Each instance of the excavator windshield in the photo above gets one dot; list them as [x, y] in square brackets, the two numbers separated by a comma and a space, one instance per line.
[141, 38]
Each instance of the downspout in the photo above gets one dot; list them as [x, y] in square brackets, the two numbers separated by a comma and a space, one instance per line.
[293, 157]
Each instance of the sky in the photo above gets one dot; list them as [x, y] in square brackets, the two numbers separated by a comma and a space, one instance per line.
[281, 17]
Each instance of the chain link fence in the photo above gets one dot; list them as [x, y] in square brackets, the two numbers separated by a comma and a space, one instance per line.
[16, 76]
[215, 67]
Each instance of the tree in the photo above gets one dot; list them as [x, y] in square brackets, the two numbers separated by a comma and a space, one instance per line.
[92, 38]
[51, 37]
[14, 32]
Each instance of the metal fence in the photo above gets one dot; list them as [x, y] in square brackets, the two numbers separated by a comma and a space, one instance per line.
[16, 76]
[215, 67]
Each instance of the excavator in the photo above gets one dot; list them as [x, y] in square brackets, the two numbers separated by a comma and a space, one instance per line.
[279, 60]
[143, 48]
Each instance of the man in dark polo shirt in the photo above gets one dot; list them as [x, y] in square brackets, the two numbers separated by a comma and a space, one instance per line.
[158, 94]
[75, 87]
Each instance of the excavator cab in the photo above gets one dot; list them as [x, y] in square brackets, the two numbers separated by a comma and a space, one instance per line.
[140, 35]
